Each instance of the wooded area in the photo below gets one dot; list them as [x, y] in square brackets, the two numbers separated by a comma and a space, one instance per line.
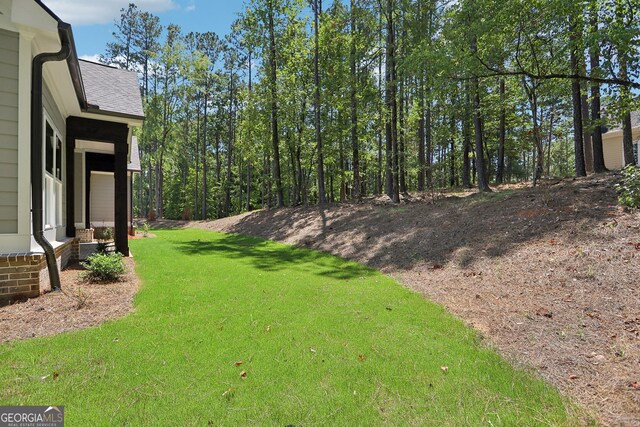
[305, 104]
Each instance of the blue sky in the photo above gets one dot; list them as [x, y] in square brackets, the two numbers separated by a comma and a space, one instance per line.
[93, 20]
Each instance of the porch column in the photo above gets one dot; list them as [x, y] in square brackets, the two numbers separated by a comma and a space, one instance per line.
[70, 182]
[121, 209]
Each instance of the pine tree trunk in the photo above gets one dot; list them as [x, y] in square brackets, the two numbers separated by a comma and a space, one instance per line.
[428, 143]
[317, 10]
[248, 206]
[627, 132]
[227, 195]
[354, 106]
[275, 132]
[551, 123]
[421, 136]
[205, 189]
[392, 103]
[578, 142]
[483, 184]
[586, 134]
[502, 133]
[594, 56]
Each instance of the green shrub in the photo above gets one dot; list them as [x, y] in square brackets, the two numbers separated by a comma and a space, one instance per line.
[104, 267]
[629, 187]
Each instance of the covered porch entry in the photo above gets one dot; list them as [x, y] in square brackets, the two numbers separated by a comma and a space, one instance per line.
[98, 179]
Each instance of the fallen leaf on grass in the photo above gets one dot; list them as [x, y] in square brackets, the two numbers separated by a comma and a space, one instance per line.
[238, 363]
[243, 374]
[55, 375]
[229, 392]
[361, 357]
[268, 328]
[312, 350]
[444, 369]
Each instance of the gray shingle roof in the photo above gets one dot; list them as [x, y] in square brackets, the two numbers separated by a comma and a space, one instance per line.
[112, 90]
[635, 122]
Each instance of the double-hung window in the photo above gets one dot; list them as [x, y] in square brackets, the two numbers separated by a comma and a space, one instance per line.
[53, 153]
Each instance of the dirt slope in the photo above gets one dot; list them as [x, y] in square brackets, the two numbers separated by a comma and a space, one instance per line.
[550, 276]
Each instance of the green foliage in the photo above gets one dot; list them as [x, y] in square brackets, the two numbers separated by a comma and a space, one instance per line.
[104, 267]
[629, 187]
[207, 137]
[102, 246]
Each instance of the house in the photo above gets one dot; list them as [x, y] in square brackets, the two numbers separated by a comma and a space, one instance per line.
[66, 144]
[612, 144]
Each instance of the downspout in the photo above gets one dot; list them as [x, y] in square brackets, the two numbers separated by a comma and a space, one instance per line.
[37, 211]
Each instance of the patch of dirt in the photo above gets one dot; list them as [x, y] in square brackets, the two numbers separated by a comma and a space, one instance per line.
[549, 276]
[79, 305]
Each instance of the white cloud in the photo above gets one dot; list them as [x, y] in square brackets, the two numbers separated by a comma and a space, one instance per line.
[92, 58]
[191, 7]
[84, 12]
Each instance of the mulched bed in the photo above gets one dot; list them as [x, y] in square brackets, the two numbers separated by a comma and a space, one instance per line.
[549, 276]
[79, 305]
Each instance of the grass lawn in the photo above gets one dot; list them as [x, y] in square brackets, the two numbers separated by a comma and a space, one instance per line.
[322, 342]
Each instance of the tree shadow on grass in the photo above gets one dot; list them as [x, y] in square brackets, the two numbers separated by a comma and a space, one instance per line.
[269, 257]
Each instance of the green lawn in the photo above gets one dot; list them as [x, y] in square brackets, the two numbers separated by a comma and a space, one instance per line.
[323, 342]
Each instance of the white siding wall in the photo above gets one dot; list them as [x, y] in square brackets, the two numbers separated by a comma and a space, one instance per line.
[9, 47]
[102, 208]
[613, 154]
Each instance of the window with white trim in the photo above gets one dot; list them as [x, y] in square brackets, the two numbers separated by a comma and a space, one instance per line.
[53, 161]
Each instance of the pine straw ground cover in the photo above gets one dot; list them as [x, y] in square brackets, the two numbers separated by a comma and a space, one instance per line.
[232, 330]
[81, 304]
[549, 276]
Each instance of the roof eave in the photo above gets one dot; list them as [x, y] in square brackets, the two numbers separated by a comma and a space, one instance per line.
[72, 60]
[94, 110]
[74, 69]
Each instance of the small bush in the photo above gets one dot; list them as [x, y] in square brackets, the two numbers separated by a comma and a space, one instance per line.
[629, 187]
[104, 267]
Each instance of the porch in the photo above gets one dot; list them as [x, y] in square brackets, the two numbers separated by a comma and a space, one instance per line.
[99, 178]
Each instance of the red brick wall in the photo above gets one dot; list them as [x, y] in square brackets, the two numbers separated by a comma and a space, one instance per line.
[25, 276]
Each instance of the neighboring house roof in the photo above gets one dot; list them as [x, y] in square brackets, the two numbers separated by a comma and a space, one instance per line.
[111, 90]
[635, 122]
[134, 158]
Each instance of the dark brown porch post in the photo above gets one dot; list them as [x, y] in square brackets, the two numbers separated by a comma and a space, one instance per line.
[120, 175]
[70, 183]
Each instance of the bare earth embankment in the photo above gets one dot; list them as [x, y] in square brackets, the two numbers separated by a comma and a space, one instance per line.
[549, 276]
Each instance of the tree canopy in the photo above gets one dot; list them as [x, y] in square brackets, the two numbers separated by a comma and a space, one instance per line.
[304, 102]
